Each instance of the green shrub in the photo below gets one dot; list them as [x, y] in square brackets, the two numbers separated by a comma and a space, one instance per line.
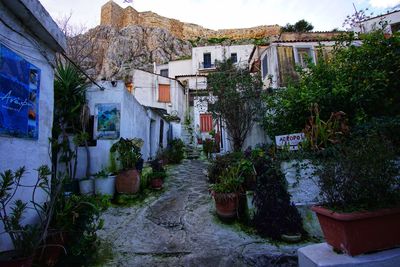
[363, 175]
[175, 152]
[275, 214]
[360, 80]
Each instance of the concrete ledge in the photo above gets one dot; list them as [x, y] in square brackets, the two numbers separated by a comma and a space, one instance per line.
[323, 255]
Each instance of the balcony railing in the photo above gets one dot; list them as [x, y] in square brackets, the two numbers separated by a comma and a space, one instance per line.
[207, 65]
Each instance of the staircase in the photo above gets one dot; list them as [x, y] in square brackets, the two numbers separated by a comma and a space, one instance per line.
[192, 151]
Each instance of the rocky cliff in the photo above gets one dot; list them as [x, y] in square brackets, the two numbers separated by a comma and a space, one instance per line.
[114, 15]
[107, 52]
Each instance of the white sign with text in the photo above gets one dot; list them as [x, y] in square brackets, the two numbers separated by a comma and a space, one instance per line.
[289, 140]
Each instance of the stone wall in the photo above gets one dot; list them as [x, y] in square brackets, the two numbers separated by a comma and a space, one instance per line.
[114, 15]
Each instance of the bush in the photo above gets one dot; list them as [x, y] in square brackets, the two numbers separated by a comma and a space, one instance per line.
[363, 176]
[275, 214]
[175, 152]
[221, 163]
[360, 80]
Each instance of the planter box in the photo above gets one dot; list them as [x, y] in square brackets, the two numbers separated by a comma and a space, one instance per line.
[360, 232]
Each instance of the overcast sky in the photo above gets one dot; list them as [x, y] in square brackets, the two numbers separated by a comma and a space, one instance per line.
[220, 14]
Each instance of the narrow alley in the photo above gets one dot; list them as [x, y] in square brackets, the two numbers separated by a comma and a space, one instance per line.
[180, 228]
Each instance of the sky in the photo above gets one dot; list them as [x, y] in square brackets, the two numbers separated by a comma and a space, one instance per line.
[325, 15]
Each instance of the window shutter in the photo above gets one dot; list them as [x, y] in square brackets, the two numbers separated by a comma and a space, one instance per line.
[206, 123]
[264, 67]
[164, 93]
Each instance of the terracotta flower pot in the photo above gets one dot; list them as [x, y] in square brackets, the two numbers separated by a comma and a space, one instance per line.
[128, 182]
[226, 204]
[156, 183]
[360, 232]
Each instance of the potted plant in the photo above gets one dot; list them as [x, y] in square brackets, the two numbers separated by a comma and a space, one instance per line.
[157, 174]
[104, 183]
[157, 179]
[128, 154]
[86, 186]
[361, 193]
[226, 192]
[26, 239]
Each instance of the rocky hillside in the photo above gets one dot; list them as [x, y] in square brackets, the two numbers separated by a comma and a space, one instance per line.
[114, 15]
[106, 52]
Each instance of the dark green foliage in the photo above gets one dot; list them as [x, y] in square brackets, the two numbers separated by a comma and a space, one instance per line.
[69, 99]
[229, 181]
[216, 40]
[128, 152]
[275, 214]
[175, 152]
[300, 26]
[360, 80]
[238, 99]
[78, 216]
[221, 163]
[26, 238]
[363, 175]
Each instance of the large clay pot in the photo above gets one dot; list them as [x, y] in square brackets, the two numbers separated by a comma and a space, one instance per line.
[360, 232]
[226, 204]
[128, 182]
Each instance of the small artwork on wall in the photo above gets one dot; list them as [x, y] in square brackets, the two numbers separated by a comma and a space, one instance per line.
[19, 96]
[108, 121]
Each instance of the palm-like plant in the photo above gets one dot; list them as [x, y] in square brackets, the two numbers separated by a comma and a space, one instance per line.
[69, 100]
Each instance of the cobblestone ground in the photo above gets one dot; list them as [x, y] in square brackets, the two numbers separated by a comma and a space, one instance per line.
[180, 228]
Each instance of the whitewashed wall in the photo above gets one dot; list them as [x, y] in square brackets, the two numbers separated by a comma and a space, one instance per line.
[220, 53]
[376, 23]
[135, 122]
[17, 152]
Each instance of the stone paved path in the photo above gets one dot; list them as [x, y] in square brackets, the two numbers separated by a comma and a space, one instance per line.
[179, 228]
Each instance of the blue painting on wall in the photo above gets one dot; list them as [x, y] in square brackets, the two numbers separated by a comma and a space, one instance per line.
[19, 96]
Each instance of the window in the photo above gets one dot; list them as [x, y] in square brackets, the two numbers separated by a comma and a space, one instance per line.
[264, 67]
[164, 72]
[303, 56]
[395, 27]
[206, 123]
[234, 57]
[164, 94]
[207, 60]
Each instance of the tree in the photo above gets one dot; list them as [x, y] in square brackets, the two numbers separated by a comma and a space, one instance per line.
[236, 98]
[300, 26]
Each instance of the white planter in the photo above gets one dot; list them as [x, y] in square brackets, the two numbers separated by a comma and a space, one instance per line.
[250, 207]
[105, 186]
[86, 187]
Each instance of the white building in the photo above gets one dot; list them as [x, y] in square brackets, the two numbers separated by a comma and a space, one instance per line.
[29, 39]
[116, 106]
[157, 91]
[389, 22]
[192, 73]
[277, 61]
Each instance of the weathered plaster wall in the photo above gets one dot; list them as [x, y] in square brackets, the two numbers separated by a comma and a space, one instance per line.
[146, 92]
[16, 152]
[135, 122]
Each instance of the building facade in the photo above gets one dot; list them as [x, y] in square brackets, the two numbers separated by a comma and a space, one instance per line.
[29, 40]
